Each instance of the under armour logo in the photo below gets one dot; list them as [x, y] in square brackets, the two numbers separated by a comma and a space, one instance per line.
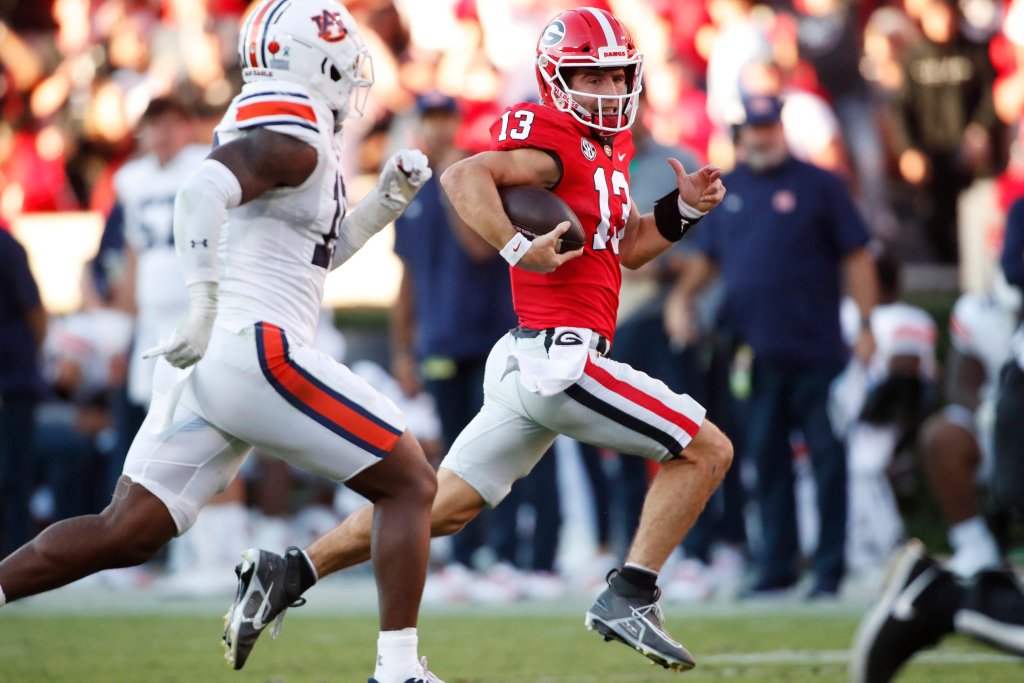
[200, 243]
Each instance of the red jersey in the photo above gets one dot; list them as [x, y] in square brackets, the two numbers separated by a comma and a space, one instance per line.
[583, 292]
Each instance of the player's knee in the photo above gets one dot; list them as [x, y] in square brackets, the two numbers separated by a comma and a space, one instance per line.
[422, 484]
[135, 543]
[931, 433]
[713, 449]
[946, 443]
[722, 454]
[451, 522]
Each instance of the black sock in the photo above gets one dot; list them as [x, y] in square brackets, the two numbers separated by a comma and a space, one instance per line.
[634, 582]
[300, 575]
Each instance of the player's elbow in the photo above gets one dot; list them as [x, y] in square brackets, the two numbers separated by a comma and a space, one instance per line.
[629, 260]
[453, 180]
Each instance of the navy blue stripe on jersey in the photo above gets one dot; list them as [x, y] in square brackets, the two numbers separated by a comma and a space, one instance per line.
[326, 389]
[274, 93]
[585, 398]
[268, 24]
[309, 410]
[278, 122]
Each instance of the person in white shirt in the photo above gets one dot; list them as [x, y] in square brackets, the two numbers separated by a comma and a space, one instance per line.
[886, 403]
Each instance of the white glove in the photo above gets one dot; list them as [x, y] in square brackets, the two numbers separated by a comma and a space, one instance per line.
[402, 177]
[188, 343]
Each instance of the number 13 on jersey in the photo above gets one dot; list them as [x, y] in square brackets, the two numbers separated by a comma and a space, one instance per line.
[609, 230]
[517, 125]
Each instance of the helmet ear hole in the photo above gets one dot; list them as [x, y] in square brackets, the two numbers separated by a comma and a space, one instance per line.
[335, 74]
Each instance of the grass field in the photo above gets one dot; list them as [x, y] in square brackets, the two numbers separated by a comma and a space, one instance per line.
[125, 637]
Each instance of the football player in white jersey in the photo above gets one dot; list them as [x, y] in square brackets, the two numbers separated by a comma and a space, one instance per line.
[152, 285]
[256, 229]
[973, 593]
[886, 407]
[957, 442]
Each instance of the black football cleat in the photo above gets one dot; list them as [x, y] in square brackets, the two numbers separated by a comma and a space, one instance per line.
[267, 586]
[993, 610]
[916, 611]
[638, 623]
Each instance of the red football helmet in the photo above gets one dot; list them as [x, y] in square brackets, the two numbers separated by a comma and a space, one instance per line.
[593, 38]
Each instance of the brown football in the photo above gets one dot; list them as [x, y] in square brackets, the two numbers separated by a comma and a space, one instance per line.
[535, 211]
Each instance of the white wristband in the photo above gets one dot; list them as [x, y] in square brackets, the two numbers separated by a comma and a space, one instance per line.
[688, 212]
[516, 247]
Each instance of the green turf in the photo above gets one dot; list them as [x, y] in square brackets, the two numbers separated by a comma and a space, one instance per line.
[463, 648]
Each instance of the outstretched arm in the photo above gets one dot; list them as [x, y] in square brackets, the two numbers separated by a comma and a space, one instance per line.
[400, 179]
[649, 235]
[231, 175]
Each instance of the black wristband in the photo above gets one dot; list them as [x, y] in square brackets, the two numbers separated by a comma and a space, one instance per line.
[669, 221]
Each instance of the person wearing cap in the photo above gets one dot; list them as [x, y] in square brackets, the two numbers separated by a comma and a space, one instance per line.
[786, 240]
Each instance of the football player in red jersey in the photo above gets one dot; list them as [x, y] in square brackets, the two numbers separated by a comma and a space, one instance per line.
[551, 375]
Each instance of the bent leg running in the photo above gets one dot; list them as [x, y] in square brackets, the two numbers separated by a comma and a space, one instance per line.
[168, 477]
[129, 531]
[401, 488]
[678, 495]
[349, 544]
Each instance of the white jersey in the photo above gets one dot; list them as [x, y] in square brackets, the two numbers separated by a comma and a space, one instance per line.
[276, 250]
[980, 327]
[899, 330]
[145, 191]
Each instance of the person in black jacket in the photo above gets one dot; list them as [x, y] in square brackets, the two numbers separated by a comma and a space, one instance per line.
[943, 121]
[22, 329]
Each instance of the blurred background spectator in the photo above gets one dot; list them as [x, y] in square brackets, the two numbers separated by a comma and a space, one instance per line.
[22, 330]
[782, 210]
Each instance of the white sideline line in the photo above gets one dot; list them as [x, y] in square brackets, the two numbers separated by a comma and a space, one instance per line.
[843, 656]
[779, 657]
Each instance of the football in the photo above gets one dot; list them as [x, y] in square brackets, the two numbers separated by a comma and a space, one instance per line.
[535, 211]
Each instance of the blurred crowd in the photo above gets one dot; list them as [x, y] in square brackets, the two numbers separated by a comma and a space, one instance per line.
[914, 104]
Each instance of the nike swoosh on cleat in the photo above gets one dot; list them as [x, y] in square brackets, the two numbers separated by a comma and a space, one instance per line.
[903, 606]
[257, 619]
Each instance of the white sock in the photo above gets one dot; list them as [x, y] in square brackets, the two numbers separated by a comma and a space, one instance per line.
[3, 598]
[974, 548]
[396, 656]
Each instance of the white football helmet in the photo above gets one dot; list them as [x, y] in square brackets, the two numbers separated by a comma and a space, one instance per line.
[314, 43]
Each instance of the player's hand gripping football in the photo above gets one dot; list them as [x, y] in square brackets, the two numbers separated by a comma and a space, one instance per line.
[543, 256]
[402, 177]
[188, 343]
[702, 189]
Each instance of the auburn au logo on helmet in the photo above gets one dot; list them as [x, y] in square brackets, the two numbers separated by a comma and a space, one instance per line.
[330, 27]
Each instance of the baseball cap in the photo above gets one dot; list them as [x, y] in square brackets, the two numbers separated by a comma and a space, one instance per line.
[431, 102]
[762, 109]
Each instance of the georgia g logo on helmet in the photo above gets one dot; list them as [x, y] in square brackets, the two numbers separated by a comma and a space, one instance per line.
[329, 26]
[553, 34]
